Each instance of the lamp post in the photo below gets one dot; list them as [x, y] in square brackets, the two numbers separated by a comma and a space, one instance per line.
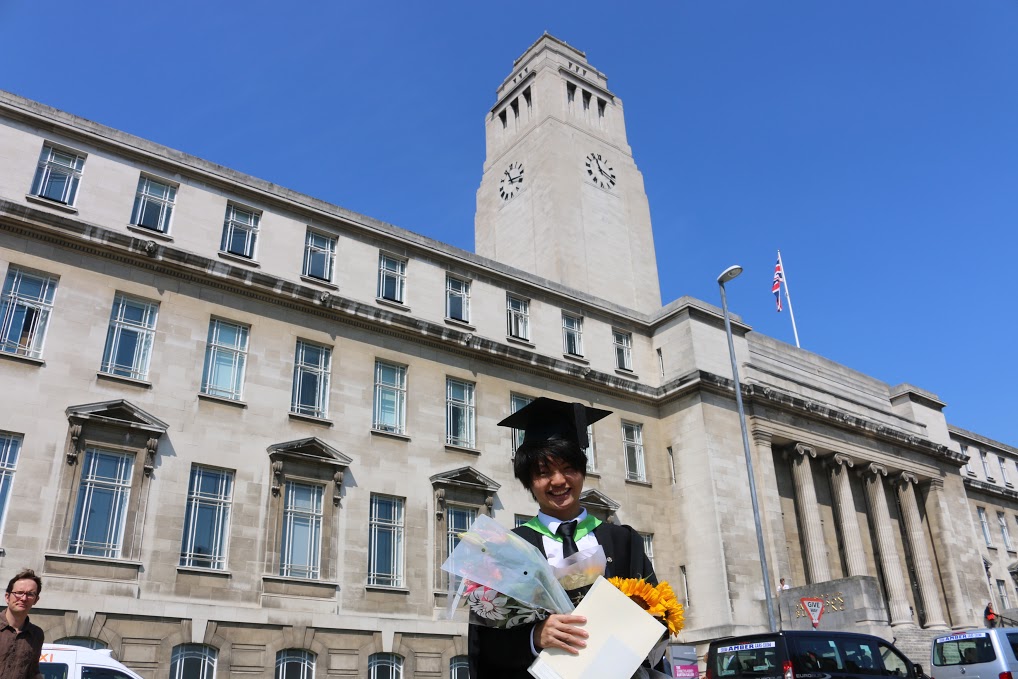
[727, 275]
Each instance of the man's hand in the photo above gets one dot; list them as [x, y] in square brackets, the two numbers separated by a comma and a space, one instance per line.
[558, 631]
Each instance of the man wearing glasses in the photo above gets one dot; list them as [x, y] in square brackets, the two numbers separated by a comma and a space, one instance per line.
[20, 640]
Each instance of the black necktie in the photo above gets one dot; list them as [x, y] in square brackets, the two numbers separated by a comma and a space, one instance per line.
[566, 532]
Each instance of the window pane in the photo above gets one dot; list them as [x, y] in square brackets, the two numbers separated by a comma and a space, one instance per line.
[101, 506]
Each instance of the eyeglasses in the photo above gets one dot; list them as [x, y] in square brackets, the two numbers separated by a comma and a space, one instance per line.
[23, 595]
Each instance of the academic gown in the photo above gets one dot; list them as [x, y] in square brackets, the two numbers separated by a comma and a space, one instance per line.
[505, 653]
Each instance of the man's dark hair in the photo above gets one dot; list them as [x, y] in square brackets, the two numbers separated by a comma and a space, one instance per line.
[529, 457]
[26, 574]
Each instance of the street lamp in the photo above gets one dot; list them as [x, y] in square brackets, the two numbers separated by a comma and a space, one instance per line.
[727, 275]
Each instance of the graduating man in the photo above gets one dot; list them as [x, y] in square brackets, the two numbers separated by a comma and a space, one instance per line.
[551, 464]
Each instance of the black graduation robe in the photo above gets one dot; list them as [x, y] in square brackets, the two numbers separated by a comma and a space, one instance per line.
[505, 653]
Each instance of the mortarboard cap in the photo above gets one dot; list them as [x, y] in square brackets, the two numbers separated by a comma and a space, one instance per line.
[545, 418]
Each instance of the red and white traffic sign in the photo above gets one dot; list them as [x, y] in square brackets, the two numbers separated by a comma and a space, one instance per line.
[815, 609]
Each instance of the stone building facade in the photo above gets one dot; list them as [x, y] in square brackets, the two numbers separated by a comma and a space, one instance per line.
[241, 426]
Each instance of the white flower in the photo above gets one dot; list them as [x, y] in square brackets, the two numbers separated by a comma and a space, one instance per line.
[488, 603]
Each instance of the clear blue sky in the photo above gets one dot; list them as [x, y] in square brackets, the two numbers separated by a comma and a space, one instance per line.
[875, 143]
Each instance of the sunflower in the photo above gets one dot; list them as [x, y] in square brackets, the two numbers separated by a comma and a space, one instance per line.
[659, 601]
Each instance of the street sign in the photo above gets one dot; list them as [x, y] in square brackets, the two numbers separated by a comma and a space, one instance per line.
[815, 609]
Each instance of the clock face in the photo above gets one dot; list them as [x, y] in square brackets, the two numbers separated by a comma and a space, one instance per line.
[600, 171]
[511, 182]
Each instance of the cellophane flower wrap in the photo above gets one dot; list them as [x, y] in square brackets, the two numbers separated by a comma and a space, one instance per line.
[506, 581]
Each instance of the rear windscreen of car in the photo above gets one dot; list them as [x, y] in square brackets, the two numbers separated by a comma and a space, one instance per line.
[964, 649]
[759, 659]
[812, 655]
[53, 670]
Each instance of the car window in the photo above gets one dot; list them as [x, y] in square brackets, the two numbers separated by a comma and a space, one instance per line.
[103, 673]
[964, 649]
[53, 670]
[895, 664]
[759, 659]
[1013, 640]
[846, 655]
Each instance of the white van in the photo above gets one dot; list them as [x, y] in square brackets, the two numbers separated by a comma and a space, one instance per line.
[978, 654]
[74, 662]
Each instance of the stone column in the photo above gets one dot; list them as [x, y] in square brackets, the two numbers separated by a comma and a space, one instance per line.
[770, 506]
[943, 537]
[809, 517]
[851, 537]
[897, 595]
[905, 483]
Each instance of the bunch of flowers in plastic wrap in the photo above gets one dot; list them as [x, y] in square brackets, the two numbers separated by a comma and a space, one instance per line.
[506, 581]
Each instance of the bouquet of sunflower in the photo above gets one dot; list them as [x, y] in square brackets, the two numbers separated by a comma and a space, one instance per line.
[658, 600]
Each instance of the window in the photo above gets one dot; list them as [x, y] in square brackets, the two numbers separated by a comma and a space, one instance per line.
[295, 664]
[58, 175]
[153, 205]
[457, 299]
[240, 231]
[385, 542]
[459, 413]
[520, 519]
[518, 317]
[311, 380]
[648, 546]
[105, 488]
[623, 349]
[302, 531]
[391, 278]
[1005, 602]
[82, 642]
[385, 666]
[671, 463]
[390, 398]
[24, 312]
[207, 520]
[225, 360]
[1003, 471]
[515, 403]
[1005, 536]
[193, 661]
[589, 452]
[129, 339]
[632, 438]
[458, 520]
[459, 667]
[319, 256]
[986, 465]
[661, 362]
[10, 446]
[968, 460]
[985, 525]
[685, 586]
[572, 334]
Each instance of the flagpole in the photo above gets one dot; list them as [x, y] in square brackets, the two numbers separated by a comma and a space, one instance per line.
[791, 314]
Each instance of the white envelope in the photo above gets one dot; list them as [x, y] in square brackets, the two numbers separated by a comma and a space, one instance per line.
[621, 636]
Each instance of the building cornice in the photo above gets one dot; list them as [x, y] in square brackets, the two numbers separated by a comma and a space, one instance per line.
[990, 489]
[977, 439]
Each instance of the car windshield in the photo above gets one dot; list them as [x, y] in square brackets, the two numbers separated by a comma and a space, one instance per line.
[964, 649]
[758, 659]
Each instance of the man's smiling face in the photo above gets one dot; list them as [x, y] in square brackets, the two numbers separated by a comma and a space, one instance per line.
[557, 487]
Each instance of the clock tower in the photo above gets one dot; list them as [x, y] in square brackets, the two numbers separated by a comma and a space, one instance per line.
[561, 196]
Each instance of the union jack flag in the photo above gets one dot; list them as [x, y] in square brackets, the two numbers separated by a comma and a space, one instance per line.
[779, 277]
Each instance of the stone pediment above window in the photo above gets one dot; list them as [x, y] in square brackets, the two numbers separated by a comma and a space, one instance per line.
[309, 457]
[118, 413]
[117, 416]
[311, 449]
[599, 504]
[463, 485]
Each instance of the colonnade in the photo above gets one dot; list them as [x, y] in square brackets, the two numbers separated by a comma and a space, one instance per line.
[802, 459]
